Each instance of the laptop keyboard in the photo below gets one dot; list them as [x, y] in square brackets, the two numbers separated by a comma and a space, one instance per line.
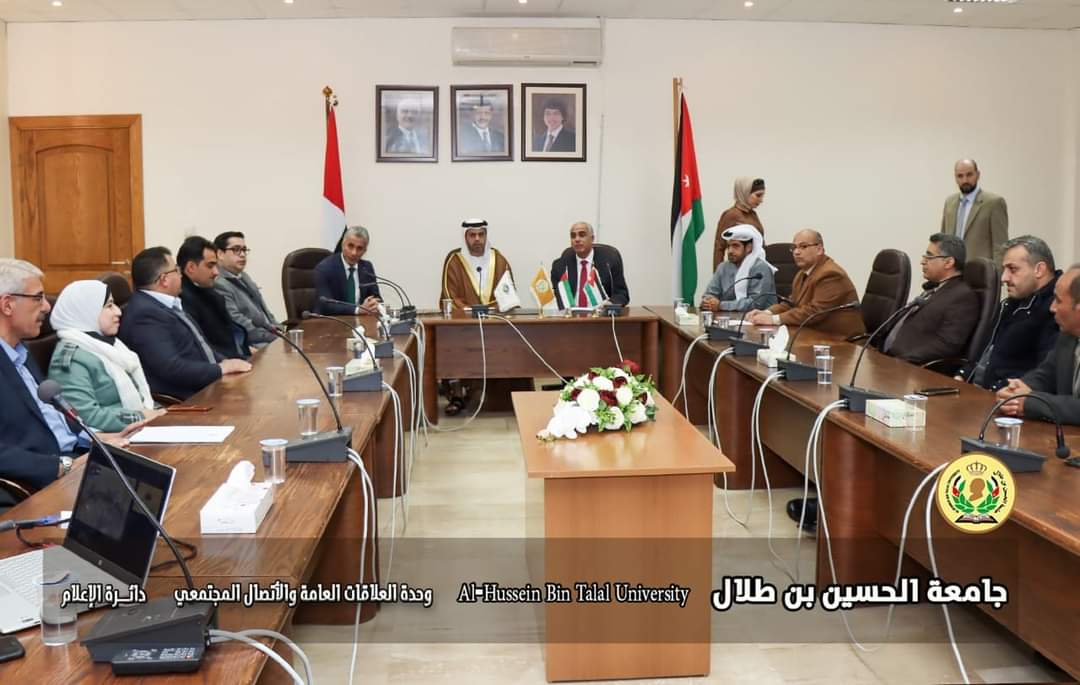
[19, 572]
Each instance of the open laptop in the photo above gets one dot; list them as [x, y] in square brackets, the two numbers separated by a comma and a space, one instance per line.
[109, 540]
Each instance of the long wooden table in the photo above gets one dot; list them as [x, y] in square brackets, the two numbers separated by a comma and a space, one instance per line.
[570, 344]
[624, 508]
[869, 472]
[312, 533]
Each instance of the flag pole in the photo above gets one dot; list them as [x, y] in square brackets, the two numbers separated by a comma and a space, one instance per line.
[328, 93]
[676, 110]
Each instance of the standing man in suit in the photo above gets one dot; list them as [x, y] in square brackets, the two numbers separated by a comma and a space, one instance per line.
[820, 284]
[941, 319]
[477, 137]
[557, 138]
[1057, 378]
[37, 444]
[347, 277]
[197, 260]
[243, 298]
[175, 355]
[588, 263]
[406, 137]
[977, 217]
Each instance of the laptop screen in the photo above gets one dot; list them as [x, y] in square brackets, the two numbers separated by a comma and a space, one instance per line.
[107, 528]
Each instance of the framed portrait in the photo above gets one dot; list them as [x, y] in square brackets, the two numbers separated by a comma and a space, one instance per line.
[482, 123]
[553, 122]
[407, 123]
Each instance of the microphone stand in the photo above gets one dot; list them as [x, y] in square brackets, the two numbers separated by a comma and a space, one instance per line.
[330, 446]
[797, 371]
[384, 349]
[478, 310]
[398, 328]
[855, 395]
[610, 308]
[1018, 460]
[408, 311]
[716, 333]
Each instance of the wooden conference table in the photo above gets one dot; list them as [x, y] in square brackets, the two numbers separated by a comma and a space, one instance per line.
[312, 532]
[869, 472]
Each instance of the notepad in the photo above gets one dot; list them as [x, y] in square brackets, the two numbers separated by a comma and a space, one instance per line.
[177, 434]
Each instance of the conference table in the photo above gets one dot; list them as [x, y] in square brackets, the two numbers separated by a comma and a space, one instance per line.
[870, 471]
[312, 532]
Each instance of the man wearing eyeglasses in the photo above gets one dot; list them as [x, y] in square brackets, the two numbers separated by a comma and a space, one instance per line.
[37, 444]
[820, 284]
[940, 321]
[243, 298]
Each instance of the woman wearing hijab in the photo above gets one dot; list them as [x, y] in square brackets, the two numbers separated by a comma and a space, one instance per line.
[749, 194]
[101, 377]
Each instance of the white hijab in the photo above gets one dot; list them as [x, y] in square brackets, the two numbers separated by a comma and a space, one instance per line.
[75, 315]
[744, 233]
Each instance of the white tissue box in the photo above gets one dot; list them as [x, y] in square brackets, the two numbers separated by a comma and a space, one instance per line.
[235, 510]
[892, 413]
[685, 318]
[769, 357]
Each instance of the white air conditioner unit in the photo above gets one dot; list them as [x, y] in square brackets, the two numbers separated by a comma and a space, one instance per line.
[549, 47]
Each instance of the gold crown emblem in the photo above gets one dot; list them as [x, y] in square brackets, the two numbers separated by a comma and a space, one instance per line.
[976, 468]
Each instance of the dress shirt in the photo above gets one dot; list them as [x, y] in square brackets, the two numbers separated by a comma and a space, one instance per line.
[549, 140]
[588, 259]
[356, 279]
[963, 211]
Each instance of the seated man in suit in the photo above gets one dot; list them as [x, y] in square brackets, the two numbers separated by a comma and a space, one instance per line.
[175, 355]
[243, 299]
[1057, 378]
[820, 284]
[474, 273]
[37, 444]
[197, 261]
[744, 280]
[556, 138]
[941, 320]
[589, 275]
[1025, 331]
[348, 278]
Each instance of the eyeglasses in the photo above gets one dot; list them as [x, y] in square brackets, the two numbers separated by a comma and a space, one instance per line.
[238, 250]
[37, 297]
[174, 270]
[802, 246]
[927, 256]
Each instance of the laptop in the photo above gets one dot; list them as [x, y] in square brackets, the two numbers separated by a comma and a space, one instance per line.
[109, 540]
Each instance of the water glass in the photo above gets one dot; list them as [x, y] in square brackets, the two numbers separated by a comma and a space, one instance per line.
[335, 377]
[308, 410]
[296, 336]
[766, 335]
[1009, 430]
[447, 308]
[706, 318]
[824, 364]
[916, 411]
[723, 321]
[273, 457]
[680, 303]
[822, 351]
[58, 623]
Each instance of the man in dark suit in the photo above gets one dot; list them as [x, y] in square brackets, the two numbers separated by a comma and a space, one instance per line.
[941, 319]
[37, 444]
[347, 277]
[557, 138]
[597, 262]
[175, 354]
[1057, 378]
[197, 260]
[477, 137]
[406, 137]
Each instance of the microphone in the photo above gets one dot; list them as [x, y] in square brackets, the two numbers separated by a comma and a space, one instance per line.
[779, 298]
[478, 310]
[330, 446]
[855, 395]
[717, 333]
[1018, 460]
[377, 353]
[49, 392]
[407, 307]
[796, 371]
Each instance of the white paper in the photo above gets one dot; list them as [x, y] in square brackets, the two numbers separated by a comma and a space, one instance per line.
[181, 434]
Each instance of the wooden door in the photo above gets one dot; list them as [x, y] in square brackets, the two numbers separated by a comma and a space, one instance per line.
[77, 192]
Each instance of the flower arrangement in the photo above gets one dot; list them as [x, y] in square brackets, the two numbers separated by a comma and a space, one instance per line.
[612, 398]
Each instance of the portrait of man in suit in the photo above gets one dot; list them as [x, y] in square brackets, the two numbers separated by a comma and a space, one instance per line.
[553, 122]
[407, 124]
[482, 121]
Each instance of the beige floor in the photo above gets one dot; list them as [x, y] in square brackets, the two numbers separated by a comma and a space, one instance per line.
[470, 483]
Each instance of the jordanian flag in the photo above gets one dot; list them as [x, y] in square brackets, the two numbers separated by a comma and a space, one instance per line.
[687, 217]
[569, 297]
[333, 204]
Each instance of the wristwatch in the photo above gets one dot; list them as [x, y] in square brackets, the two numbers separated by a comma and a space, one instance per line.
[65, 466]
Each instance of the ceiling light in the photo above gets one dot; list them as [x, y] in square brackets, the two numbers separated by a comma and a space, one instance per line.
[288, 2]
[748, 3]
[522, 2]
[958, 10]
[57, 3]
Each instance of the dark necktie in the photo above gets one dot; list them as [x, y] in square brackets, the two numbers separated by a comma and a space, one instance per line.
[350, 286]
[550, 141]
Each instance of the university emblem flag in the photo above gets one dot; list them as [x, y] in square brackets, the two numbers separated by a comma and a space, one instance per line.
[543, 292]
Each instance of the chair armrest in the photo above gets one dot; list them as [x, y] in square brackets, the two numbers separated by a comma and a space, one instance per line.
[166, 400]
[857, 338]
[948, 366]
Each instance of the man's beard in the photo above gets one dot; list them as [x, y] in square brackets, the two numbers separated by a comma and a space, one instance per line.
[966, 188]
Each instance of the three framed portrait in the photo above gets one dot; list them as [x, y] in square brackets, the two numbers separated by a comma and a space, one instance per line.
[553, 125]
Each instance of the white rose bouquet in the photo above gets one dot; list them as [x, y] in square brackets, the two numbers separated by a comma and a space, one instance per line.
[615, 398]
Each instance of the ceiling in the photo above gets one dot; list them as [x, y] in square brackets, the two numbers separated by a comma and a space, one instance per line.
[1030, 14]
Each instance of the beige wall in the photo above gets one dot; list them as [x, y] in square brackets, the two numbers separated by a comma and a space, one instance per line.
[854, 127]
[7, 240]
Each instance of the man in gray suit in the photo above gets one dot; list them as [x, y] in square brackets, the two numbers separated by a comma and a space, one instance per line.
[242, 296]
[1057, 378]
[979, 218]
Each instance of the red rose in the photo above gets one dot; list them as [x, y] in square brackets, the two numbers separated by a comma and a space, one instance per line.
[618, 382]
[592, 375]
[643, 397]
[608, 397]
[631, 367]
[574, 393]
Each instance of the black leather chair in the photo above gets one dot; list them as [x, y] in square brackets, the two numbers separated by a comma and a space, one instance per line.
[887, 288]
[41, 348]
[119, 286]
[779, 255]
[984, 277]
[298, 280]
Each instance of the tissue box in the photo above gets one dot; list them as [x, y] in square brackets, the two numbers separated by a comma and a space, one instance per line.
[768, 357]
[236, 510]
[685, 318]
[892, 413]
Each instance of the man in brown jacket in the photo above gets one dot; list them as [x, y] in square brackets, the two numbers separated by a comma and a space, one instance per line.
[820, 284]
[978, 217]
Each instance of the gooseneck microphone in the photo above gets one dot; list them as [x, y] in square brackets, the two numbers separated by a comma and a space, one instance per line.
[312, 315]
[855, 395]
[1062, 451]
[754, 301]
[797, 371]
[717, 333]
[49, 391]
[406, 301]
[314, 372]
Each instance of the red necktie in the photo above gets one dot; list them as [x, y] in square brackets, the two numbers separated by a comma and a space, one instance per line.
[581, 301]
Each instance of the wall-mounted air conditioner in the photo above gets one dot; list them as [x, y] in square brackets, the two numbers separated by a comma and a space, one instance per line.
[549, 47]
